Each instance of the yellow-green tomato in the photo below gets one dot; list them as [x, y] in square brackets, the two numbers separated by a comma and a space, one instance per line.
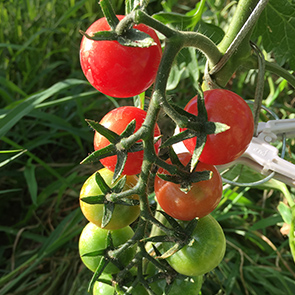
[204, 254]
[94, 238]
[122, 215]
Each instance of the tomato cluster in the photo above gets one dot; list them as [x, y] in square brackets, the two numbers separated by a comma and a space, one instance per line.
[186, 194]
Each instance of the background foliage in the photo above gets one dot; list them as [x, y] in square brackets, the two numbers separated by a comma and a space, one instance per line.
[44, 102]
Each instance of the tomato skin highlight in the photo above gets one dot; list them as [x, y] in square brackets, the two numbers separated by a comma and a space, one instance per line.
[226, 107]
[117, 120]
[122, 215]
[94, 238]
[204, 254]
[117, 70]
[200, 200]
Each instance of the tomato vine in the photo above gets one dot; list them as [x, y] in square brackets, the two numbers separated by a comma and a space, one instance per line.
[223, 61]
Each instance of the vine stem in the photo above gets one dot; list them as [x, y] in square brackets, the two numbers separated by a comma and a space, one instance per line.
[248, 25]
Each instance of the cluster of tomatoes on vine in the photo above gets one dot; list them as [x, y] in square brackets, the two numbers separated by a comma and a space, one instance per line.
[109, 198]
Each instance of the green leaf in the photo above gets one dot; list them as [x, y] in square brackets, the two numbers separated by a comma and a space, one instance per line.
[30, 177]
[184, 22]
[31, 102]
[266, 222]
[212, 31]
[276, 26]
[285, 212]
[136, 38]
[108, 210]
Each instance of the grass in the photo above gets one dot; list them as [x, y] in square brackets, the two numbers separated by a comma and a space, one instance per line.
[44, 102]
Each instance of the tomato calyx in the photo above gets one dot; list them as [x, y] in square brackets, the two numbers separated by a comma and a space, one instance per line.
[109, 198]
[125, 34]
[118, 146]
[196, 126]
[105, 259]
[185, 176]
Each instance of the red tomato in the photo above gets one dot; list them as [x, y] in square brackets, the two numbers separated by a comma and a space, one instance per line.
[229, 108]
[200, 200]
[117, 70]
[117, 120]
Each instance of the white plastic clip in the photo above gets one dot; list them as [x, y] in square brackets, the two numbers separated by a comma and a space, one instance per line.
[270, 130]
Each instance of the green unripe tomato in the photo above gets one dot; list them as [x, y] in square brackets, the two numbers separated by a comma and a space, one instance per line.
[94, 238]
[205, 253]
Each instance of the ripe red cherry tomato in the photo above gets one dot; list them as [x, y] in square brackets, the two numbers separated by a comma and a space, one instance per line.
[226, 107]
[117, 120]
[117, 70]
[200, 200]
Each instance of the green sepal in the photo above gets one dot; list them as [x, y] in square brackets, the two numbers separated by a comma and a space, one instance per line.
[200, 176]
[171, 178]
[99, 270]
[108, 210]
[94, 253]
[105, 189]
[107, 151]
[92, 200]
[109, 13]
[136, 38]
[174, 158]
[111, 136]
[174, 224]
[172, 251]
[121, 160]
[101, 36]
[127, 202]
[157, 239]
[215, 127]
[118, 187]
[201, 140]
[130, 128]
[186, 134]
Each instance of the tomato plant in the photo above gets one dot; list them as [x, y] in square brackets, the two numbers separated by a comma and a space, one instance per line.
[122, 215]
[226, 107]
[202, 198]
[204, 253]
[117, 120]
[117, 70]
[94, 238]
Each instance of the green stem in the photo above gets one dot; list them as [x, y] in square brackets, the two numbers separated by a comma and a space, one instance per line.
[242, 13]
[236, 42]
